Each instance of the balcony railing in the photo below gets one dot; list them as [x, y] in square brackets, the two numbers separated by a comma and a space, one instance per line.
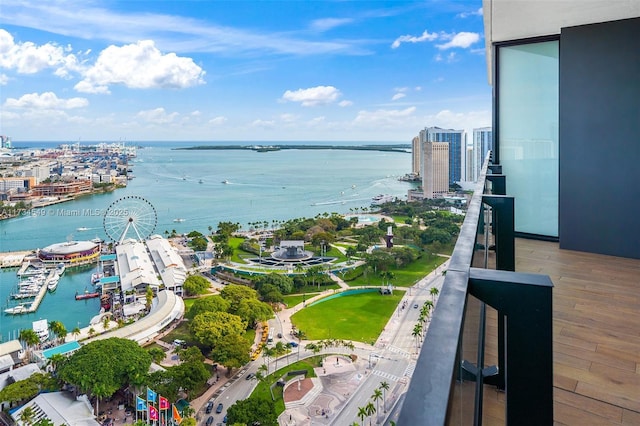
[492, 327]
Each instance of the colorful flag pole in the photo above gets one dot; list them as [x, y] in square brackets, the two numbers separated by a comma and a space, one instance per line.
[163, 405]
[176, 415]
[140, 405]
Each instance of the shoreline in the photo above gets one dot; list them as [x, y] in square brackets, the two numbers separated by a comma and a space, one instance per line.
[401, 148]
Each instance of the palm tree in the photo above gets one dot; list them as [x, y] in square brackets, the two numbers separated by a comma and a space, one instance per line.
[30, 338]
[55, 361]
[385, 387]
[58, 329]
[371, 410]
[105, 323]
[362, 413]
[92, 331]
[434, 292]
[377, 395]
[416, 333]
[27, 415]
[76, 332]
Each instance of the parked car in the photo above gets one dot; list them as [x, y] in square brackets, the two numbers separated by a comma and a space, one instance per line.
[209, 407]
[209, 421]
[219, 408]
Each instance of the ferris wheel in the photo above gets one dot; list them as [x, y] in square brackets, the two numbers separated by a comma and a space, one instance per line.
[131, 216]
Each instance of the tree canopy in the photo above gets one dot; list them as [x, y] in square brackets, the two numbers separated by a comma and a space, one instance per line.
[195, 284]
[235, 293]
[232, 351]
[251, 410]
[102, 367]
[213, 303]
[210, 328]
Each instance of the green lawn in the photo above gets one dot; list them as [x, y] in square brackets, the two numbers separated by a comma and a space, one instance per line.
[359, 317]
[403, 277]
[293, 299]
[262, 390]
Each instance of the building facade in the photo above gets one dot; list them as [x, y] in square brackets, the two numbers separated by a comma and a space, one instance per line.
[435, 168]
[482, 144]
[415, 156]
[456, 140]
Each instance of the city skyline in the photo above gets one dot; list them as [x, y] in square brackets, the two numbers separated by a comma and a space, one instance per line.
[285, 71]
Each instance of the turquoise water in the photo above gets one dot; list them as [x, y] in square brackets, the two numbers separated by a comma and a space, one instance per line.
[345, 293]
[263, 186]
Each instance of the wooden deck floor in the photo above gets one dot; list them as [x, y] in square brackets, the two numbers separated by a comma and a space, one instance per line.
[596, 321]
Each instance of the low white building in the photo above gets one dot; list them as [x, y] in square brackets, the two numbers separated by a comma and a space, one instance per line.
[135, 266]
[61, 408]
[168, 263]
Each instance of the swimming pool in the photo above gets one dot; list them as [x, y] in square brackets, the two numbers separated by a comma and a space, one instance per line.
[368, 219]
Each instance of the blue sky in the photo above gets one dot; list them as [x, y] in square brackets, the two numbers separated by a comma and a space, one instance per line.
[94, 70]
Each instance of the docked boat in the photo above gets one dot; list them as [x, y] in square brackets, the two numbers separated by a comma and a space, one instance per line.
[61, 268]
[52, 280]
[29, 270]
[16, 310]
[41, 327]
[382, 198]
[95, 277]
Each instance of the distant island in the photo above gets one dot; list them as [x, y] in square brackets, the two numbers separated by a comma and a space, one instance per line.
[406, 148]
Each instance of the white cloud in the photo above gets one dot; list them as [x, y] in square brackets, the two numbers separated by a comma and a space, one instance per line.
[140, 66]
[319, 95]
[218, 121]
[462, 40]
[265, 124]
[157, 116]
[288, 118]
[28, 58]
[329, 23]
[413, 39]
[450, 58]
[345, 103]
[448, 119]
[45, 101]
[384, 117]
[90, 21]
[397, 96]
[4, 79]
[464, 15]
[316, 121]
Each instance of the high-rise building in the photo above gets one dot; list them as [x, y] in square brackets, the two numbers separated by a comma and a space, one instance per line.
[435, 168]
[415, 155]
[469, 165]
[482, 143]
[455, 139]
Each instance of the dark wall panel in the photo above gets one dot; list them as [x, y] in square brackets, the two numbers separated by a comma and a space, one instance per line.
[599, 209]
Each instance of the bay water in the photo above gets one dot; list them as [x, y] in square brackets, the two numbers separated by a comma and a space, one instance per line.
[194, 190]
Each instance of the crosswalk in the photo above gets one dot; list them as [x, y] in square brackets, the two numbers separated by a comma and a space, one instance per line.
[387, 376]
[409, 370]
[399, 351]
